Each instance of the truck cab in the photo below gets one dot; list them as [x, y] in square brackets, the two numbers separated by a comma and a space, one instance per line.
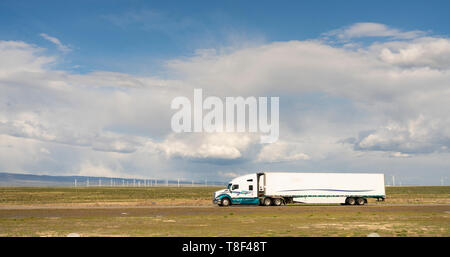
[241, 190]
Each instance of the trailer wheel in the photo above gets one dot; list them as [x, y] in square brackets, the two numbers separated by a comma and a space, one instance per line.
[350, 201]
[267, 201]
[225, 202]
[360, 201]
[277, 201]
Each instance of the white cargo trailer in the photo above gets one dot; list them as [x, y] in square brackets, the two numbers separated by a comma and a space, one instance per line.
[277, 188]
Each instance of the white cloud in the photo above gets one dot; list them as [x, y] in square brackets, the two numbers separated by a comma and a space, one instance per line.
[99, 170]
[213, 146]
[79, 110]
[228, 175]
[281, 152]
[423, 52]
[400, 86]
[54, 40]
[420, 135]
[21, 155]
[44, 150]
[17, 57]
[28, 125]
[371, 29]
[388, 99]
[400, 155]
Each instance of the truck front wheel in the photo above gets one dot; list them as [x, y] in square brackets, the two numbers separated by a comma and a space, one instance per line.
[267, 201]
[225, 202]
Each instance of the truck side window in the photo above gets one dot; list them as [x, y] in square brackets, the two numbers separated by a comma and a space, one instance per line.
[250, 188]
[235, 187]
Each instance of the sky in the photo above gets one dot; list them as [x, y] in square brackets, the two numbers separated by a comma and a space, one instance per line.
[86, 87]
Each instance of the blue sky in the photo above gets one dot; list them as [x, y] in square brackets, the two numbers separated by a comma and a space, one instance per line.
[86, 86]
[138, 36]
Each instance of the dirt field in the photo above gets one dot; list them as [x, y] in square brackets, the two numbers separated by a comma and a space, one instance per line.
[412, 211]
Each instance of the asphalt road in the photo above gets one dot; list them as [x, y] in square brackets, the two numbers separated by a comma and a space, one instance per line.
[56, 207]
[116, 211]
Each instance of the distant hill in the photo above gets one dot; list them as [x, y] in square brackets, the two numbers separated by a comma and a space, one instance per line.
[16, 179]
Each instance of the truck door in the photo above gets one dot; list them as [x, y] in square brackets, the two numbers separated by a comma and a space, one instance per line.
[250, 187]
[261, 184]
[250, 191]
[244, 190]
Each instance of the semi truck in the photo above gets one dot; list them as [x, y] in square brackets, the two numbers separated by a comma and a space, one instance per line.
[277, 188]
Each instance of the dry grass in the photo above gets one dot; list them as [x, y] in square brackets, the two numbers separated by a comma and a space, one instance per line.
[233, 221]
[105, 196]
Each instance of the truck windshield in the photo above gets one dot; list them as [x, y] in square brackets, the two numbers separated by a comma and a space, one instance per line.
[229, 186]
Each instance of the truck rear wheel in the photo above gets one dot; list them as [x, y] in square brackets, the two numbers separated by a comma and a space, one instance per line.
[225, 202]
[267, 201]
[350, 201]
[277, 201]
[360, 201]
